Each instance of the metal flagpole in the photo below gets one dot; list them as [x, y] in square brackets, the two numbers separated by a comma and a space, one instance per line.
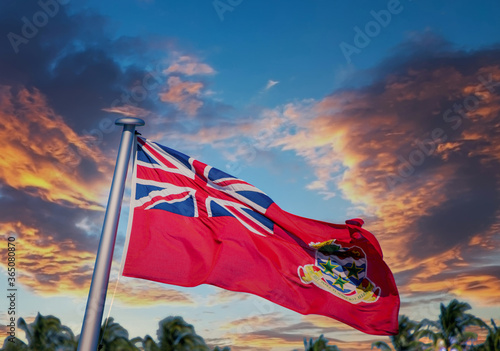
[97, 296]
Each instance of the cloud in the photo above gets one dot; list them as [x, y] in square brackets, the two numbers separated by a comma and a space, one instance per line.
[85, 71]
[42, 155]
[313, 321]
[453, 277]
[189, 66]
[225, 296]
[128, 111]
[272, 339]
[270, 83]
[183, 94]
[59, 142]
[50, 267]
[415, 151]
[251, 323]
[140, 293]
[76, 78]
[376, 132]
[55, 266]
[436, 216]
[268, 331]
[263, 341]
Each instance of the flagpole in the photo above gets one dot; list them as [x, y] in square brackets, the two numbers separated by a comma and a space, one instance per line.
[92, 320]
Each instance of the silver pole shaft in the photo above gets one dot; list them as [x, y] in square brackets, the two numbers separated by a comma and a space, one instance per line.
[91, 327]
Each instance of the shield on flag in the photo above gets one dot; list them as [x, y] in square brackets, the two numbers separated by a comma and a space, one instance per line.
[341, 271]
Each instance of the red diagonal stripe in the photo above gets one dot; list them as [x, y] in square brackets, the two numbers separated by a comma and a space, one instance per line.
[160, 158]
[169, 197]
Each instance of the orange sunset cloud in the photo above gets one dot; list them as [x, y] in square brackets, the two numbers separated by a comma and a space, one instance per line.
[183, 94]
[41, 153]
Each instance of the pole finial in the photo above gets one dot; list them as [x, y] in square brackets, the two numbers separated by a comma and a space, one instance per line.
[130, 120]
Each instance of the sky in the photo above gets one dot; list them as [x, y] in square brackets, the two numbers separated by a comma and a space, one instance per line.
[383, 110]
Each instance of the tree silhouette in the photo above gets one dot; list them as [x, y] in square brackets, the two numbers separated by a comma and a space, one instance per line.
[114, 337]
[492, 342]
[14, 344]
[451, 325]
[147, 343]
[174, 334]
[319, 345]
[47, 333]
[407, 338]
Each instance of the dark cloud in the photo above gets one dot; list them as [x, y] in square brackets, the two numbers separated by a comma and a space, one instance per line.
[81, 66]
[404, 277]
[59, 68]
[430, 89]
[428, 51]
[51, 219]
[73, 62]
[470, 210]
[69, 62]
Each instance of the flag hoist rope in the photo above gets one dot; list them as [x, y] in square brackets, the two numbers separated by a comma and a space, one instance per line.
[91, 327]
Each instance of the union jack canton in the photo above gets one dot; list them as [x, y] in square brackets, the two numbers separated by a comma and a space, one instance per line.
[171, 181]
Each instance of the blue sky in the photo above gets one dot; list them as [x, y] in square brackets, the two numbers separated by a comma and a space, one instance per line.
[265, 91]
[257, 41]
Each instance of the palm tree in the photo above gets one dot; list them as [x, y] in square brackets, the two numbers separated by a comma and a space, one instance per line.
[47, 333]
[451, 325]
[319, 345]
[148, 344]
[174, 334]
[492, 342]
[114, 337]
[13, 344]
[407, 338]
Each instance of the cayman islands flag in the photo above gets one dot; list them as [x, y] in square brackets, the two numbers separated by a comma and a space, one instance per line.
[194, 224]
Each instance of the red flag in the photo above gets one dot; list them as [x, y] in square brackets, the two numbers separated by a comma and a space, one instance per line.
[193, 224]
